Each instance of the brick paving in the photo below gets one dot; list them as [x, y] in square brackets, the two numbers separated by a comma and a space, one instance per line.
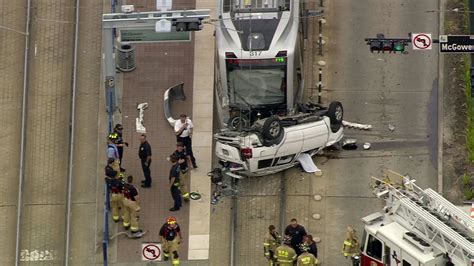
[87, 156]
[11, 86]
[159, 66]
[47, 139]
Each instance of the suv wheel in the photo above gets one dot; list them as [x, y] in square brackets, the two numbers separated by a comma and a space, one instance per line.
[272, 130]
[238, 122]
[335, 114]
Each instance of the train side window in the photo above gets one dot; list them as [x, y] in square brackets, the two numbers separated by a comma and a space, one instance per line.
[374, 248]
[405, 263]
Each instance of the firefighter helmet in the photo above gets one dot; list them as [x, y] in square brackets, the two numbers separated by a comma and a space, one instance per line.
[113, 136]
[171, 220]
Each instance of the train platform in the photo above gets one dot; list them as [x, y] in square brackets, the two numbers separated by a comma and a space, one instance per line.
[160, 66]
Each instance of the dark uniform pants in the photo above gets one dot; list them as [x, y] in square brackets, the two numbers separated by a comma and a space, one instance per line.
[189, 147]
[176, 194]
[146, 173]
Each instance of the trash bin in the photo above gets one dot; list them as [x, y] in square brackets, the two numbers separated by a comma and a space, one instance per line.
[126, 58]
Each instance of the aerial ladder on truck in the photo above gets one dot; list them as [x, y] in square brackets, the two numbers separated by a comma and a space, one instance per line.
[418, 227]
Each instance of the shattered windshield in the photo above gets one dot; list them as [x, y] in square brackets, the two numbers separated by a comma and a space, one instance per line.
[257, 86]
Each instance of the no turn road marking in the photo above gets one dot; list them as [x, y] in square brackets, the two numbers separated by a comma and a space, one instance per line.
[151, 252]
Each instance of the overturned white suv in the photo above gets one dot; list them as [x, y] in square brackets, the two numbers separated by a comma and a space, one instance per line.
[276, 143]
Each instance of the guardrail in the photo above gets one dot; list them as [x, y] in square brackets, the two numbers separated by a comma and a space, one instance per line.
[110, 96]
[105, 241]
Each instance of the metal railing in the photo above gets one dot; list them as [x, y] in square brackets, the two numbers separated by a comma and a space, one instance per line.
[105, 241]
[110, 96]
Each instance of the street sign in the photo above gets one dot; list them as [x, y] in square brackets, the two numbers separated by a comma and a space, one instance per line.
[151, 252]
[421, 41]
[149, 35]
[456, 43]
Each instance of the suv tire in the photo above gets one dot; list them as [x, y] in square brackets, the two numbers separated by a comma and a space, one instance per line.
[238, 122]
[272, 130]
[335, 114]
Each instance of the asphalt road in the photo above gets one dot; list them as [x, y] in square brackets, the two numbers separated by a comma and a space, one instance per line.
[377, 89]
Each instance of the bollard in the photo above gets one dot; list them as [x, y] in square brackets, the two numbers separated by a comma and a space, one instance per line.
[320, 84]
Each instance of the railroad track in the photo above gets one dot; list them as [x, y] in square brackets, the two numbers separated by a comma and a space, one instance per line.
[43, 223]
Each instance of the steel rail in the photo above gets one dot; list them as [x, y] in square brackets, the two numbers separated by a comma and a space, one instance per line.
[72, 135]
[23, 133]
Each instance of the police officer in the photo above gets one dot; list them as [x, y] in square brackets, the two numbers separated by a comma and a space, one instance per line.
[296, 232]
[270, 242]
[131, 204]
[171, 238]
[115, 184]
[174, 183]
[306, 258]
[144, 152]
[285, 255]
[184, 161]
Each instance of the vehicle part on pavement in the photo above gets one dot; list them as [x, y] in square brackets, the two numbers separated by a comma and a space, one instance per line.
[356, 125]
[349, 144]
[335, 114]
[173, 93]
[140, 128]
[195, 195]
[307, 163]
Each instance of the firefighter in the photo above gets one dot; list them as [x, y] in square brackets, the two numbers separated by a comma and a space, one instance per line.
[185, 164]
[350, 247]
[115, 184]
[131, 204]
[306, 258]
[285, 255]
[171, 238]
[270, 242]
[112, 151]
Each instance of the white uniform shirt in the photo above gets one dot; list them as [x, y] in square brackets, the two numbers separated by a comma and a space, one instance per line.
[179, 124]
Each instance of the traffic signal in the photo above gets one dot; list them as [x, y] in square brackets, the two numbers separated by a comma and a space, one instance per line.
[387, 45]
[188, 25]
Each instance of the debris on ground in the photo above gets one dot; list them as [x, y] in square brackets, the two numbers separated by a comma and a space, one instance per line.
[349, 144]
[391, 127]
[366, 146]
[356, 125]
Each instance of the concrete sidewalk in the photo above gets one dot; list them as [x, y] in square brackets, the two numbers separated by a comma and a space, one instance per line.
[160, 66]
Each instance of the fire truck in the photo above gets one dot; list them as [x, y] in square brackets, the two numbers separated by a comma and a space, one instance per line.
[417, 227]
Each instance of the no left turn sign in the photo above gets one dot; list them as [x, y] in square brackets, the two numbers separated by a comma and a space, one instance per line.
[421, 41]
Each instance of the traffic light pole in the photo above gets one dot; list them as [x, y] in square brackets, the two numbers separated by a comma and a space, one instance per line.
[382, 44]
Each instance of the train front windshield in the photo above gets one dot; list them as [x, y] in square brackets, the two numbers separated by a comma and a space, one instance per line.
[257, 82]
